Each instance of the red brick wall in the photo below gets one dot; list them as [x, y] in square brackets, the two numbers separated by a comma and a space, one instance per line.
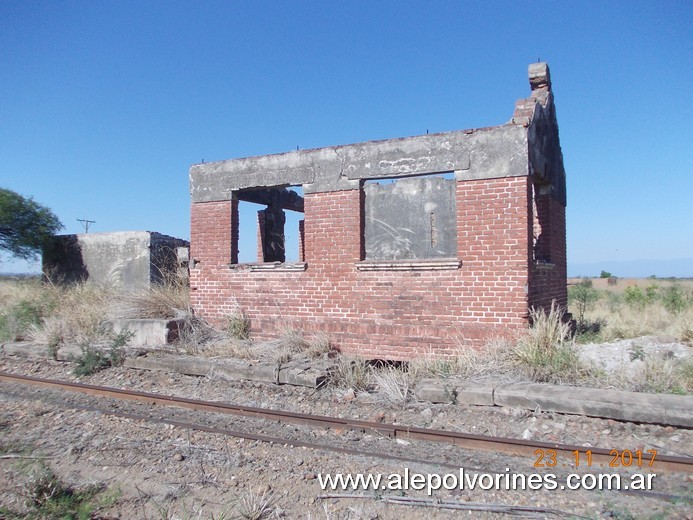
[378, 314]
[548, 282]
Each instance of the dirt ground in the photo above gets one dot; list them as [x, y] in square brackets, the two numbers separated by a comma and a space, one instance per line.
[149, 470]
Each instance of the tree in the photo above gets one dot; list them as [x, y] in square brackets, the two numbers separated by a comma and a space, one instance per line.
[25, 225]
[605, 274]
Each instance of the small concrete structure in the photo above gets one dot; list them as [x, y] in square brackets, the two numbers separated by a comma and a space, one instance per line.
[148, 332]
[131, 260]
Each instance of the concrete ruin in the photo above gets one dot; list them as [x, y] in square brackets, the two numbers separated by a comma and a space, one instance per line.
[407, 246]
[131, 260]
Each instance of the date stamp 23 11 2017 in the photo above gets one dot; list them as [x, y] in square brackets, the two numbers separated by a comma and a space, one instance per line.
[618, 459]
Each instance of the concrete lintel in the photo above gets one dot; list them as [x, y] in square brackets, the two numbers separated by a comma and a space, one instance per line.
[493, 152]
[279, 197]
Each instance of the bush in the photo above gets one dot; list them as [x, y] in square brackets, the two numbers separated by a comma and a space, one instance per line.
[674, 299]
[18, 320]
[605, 274]
[93, 360]
[582, 295]
[546, 351]
[635, 297]
[47, 496]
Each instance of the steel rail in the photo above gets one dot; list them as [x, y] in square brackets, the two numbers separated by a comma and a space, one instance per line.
[338, 449]
[464, 440]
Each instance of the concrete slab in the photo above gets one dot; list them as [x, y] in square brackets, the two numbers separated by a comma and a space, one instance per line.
[180, 364]
[290, 374]
[455, 391]
[27, 350]
[675, 410]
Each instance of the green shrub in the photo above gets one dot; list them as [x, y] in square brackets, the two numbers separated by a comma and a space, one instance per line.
[47, 496]
[674, 298]
[581, 296]
[635, 297]
[93, 359]
[17, 320]
[605, 274]
[651, 292]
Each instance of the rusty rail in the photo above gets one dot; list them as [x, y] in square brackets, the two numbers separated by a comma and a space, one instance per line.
[599, 457]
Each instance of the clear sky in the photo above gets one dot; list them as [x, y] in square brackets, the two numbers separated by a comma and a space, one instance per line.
[104, 105]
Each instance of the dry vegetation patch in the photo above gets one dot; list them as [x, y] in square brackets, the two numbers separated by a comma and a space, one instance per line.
[80, 314]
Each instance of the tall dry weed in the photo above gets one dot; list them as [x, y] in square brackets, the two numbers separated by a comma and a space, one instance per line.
[395, 384]
[167, 300]
[494, 360]
[79, 317]
[547, 352]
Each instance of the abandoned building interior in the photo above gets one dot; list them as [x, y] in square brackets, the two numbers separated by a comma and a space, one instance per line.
[406, 246]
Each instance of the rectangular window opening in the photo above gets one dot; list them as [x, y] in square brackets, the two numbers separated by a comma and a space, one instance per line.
[270, 228]
[541, 223]
[410, 218]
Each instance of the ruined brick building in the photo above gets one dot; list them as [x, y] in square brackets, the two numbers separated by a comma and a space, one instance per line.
[407, 245]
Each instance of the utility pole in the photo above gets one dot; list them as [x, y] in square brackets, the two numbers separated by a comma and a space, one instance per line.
[85, 223]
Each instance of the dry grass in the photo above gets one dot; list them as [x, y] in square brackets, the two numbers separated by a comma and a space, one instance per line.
[168, 301]
[654, 374]
[547, 352]
[350, 372]
[256, 506]
[296, 342]
[636, 308]
[621, 321]
[395, 385]
[492, 361]
[79, 313]
[23, 304]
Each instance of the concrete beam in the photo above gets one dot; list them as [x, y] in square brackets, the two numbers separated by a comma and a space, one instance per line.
[676, 410]
[296, 374]
[472, 154]
[278, 197]
[455, 391]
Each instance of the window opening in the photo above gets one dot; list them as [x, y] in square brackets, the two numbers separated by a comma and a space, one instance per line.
[541, 222]
[410, 217]
[270, 228]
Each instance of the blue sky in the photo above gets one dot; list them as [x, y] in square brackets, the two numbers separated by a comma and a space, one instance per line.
[105, 105]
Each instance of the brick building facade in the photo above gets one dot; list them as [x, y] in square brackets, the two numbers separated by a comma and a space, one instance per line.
[407, 246]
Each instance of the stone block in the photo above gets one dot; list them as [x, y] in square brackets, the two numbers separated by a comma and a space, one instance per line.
[455, 391]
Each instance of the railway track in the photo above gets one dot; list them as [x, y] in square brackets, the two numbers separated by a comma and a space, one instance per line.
[505, 445]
